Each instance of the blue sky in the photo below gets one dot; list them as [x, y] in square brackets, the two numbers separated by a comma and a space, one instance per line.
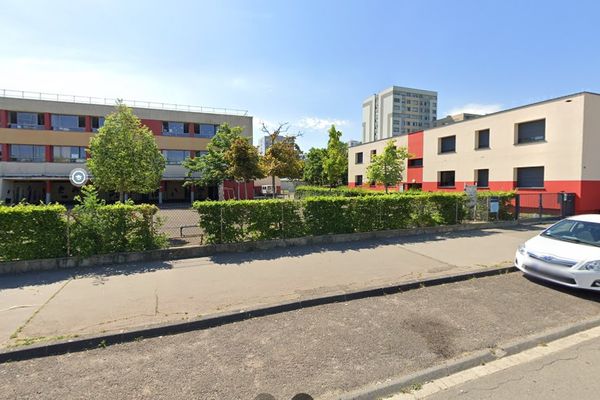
[309, 63]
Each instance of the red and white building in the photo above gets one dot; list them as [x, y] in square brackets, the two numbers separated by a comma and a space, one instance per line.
[548, 147]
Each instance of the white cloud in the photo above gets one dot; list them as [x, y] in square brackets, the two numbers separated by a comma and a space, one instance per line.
[314, 123]
[475, 108]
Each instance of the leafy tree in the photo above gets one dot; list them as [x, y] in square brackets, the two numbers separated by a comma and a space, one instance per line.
[212, 168]
[387, 168]
[314, 173]
[124, 155]
[282, 159]
[335, 165]
[243, 162]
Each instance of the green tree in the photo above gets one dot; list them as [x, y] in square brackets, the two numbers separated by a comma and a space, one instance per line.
[243, 162]
[387, 168]
[335, 165]
[282, 158]
[212, 168]
[124, 156]
[314, 173]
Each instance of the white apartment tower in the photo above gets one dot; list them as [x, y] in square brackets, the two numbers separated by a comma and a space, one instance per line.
[398, 111]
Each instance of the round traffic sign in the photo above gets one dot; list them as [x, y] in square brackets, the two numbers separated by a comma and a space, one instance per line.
[78, 177]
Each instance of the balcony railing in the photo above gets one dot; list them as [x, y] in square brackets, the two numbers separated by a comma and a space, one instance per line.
[22, 94]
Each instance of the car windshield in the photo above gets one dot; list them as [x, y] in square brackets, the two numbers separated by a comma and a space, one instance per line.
[574, 231]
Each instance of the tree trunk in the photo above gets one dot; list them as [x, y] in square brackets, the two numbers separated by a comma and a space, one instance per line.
[386, 188]
[238, 190]
[221, 191]
[121, 196]
[273, 183]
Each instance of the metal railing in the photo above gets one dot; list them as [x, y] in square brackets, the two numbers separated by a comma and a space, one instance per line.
[24, 94]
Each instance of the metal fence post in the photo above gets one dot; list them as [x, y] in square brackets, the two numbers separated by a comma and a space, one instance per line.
[282, 221]
[517, 206]
[540, 205]
[68, 234]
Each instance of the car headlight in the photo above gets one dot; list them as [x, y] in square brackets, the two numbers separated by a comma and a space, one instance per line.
[591, 266]
[521, 249]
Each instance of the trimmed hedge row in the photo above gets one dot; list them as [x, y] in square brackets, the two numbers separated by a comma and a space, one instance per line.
[49, 231]
[236, 221]
[28, 232]
[342, 191]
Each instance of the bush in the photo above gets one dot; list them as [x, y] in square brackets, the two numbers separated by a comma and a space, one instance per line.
[32, 231]
[236, 221]
[312, 191]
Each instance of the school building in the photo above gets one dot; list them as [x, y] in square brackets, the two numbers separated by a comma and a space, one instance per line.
[44, 136]
[547, 147]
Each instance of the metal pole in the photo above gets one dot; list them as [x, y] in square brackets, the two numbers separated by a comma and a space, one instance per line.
[221, 208]
[540, 205]
[282, 221]
[517, 206]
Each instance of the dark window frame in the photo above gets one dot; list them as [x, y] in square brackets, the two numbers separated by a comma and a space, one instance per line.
[415, 163]
[527, 137]
[443, 148]
[478, 179]
[446, 183]
[358, 180]
[358, 157]
[523, 185]
[478, 145]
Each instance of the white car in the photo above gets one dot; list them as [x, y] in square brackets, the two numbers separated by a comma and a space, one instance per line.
[567, 253]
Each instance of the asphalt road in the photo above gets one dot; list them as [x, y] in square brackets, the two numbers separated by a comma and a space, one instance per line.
[323, 351]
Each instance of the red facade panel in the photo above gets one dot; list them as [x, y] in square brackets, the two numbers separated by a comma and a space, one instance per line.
[155, 126]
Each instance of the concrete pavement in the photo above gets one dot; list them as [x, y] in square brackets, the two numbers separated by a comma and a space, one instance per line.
[51, 305]
[326, 351]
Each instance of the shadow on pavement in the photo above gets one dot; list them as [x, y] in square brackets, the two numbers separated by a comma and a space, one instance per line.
[580, 293]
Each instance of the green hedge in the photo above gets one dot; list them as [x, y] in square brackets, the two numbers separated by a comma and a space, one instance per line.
[41, 231]
[114, 228]
[342, 191]
[236, 221]
[32, 231]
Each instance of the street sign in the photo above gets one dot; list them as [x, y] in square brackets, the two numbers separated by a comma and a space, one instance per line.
[471, 191]
[78, 177]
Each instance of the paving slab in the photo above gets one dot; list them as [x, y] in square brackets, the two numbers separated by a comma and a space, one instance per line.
[111, 299]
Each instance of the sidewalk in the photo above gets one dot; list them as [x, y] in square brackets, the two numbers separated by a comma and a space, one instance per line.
[46, 306]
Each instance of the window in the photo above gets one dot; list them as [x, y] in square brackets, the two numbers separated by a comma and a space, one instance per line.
[373, 153]
[26, 120]
[446, 179]
[482, 139]
[358, 158]
[534, 131]
[448, 144]
[97, 123]
[205, 130]
[175, 129]
[69, 154]
[483, 178]
[27, 153]
[73, 123]
[201, 153]
[415, 162]
[175, 157]
[358, 180]
[530, 177]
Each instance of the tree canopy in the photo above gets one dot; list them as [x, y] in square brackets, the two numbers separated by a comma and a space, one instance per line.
[124, 156]
[314, 173]
[387, 168]
[282, 158]
[335, 165]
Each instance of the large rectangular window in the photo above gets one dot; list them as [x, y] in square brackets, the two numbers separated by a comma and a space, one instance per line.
[175, 157]
[26, 120]
[27, 153]
[446, 179]
[358, 158]
[69, 154]
[483, 139]
[97, 123]
[530, 177]
[175, 129]
[534, 131]
[483, 178]
[358, 180]
[74, 123]
[206, 131]
[447, 144]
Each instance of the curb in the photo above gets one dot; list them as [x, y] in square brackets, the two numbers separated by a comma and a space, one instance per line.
[194, 251]
[394, 386]
[215, 320]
